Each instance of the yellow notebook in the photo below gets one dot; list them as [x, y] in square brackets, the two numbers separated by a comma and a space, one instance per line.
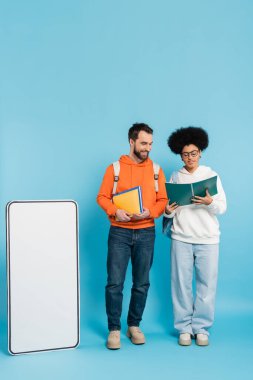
[129, 200]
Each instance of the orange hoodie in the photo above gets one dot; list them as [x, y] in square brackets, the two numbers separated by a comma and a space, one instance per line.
[134, 174]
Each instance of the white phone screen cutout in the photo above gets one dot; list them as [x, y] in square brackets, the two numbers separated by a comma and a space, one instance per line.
[43, 280]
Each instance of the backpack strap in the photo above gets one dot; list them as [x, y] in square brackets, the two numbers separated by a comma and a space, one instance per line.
[116, 169]
[156, 168]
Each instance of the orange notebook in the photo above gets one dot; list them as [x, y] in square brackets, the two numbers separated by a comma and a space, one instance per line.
[129, 200]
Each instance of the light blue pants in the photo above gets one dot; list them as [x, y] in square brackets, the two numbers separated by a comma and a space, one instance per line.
[193, 314]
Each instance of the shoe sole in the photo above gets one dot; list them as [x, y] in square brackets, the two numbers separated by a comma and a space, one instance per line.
[112, 348]
[199, 343]
[134, 341]
[185, 342]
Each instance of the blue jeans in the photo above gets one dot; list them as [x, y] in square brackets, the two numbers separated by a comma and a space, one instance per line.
[123, 244]
[193, 315]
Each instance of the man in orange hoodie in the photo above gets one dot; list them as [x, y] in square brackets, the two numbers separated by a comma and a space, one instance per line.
[131, 236]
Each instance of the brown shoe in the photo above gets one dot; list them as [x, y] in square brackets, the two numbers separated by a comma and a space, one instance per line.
[113, 340]
[136, 335]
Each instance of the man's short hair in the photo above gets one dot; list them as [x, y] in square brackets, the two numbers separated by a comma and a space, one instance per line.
[136, 128]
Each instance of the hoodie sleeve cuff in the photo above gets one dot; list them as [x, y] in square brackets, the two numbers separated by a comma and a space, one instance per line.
[169, 215]
[211, 207]
[111, 211]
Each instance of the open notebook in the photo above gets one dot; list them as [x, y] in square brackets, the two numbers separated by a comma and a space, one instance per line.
[182, 194]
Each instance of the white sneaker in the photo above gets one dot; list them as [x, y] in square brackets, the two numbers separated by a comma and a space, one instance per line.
[202, 340]
[185, 339]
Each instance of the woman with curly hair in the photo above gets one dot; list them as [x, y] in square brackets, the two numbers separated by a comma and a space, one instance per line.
[194, 240]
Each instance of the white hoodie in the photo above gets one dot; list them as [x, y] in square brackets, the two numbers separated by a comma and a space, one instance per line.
[197, 224]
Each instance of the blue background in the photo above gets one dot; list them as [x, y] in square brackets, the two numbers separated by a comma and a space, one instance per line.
[74, 77]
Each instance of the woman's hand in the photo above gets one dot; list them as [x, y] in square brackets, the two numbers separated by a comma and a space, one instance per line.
[169, 209]
[207, 200]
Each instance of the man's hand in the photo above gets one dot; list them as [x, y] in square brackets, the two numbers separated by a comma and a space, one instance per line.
[144, 215]
[169, 209]
[122, 216]
[207, 200]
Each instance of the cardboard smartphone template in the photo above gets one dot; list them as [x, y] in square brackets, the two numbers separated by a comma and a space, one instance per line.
[43, 275]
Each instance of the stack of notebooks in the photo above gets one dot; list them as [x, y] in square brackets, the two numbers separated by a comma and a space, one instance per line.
[182, 194]
[129, 200]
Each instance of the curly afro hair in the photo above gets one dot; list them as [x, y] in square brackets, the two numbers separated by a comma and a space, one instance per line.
[186, 136]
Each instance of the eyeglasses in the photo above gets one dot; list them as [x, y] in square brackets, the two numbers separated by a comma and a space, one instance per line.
[193, 153]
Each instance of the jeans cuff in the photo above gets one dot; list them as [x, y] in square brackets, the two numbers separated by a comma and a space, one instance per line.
[201, 331]
[114, 328]
[187, 330]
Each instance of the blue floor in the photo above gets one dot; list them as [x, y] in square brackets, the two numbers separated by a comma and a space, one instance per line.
[229, 356]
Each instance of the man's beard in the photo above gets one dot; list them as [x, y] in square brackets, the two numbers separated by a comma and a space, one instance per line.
[138, 155]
